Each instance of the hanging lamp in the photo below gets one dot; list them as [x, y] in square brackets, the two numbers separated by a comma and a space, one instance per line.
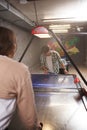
[40, 32]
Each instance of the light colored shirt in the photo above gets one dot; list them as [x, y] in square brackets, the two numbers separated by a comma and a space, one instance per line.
[56, 61]
[49, 63]
[7, 109]
[15, 82]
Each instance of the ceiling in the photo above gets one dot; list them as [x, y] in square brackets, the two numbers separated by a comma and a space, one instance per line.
[49, 12]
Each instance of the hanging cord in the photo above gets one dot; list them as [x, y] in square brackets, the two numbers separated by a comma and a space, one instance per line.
[36, 13]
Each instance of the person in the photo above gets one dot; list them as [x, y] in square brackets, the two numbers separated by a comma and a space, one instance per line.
[51, 61]
[16, 90]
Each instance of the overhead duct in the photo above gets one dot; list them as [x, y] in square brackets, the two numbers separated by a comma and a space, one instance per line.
[25, 1]
[9, 13]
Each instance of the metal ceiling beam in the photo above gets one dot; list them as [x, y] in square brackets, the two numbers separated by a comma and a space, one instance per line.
[8, 12]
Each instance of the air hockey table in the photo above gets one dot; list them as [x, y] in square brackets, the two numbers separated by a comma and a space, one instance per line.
[57, 107]
[55, 97]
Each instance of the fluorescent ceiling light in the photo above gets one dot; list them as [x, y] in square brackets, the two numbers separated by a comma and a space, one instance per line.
[60, 28]
[59, 31]
[56, 19]
[75, 19]
[64, 26]
[43, 35]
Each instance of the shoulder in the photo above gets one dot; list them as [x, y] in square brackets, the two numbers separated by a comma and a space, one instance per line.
[55, 52]
[15, 66]
[20, 67]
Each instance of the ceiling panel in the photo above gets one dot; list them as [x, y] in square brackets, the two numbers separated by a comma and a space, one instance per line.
[49, 9]
[63, 11]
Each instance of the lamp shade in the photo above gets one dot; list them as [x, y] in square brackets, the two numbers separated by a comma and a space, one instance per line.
[41, 32]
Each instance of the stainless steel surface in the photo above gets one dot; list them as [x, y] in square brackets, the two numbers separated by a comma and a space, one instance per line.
[58, 110]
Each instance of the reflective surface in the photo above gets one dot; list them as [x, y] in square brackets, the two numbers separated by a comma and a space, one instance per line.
[60, 111]
[56, 104]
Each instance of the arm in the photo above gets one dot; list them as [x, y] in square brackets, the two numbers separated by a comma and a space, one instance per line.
[61, 63]
[25, 101]
[43, 64]
[42, 60]
[63, 66]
